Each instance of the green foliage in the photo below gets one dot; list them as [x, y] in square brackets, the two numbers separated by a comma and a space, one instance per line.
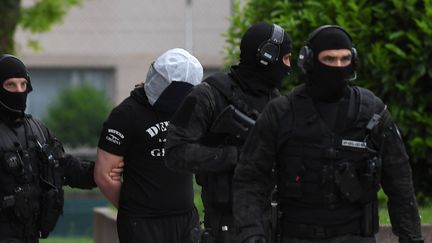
[41, 16]
[77, 117]
[198, 201]
[36, 18]
[394, 42]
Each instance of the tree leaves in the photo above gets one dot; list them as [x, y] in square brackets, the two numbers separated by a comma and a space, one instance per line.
[39, 17]
[44, 14]
[394, 42]
[77, 116]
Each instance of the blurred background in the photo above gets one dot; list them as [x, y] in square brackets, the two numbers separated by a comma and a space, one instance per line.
[84, 57]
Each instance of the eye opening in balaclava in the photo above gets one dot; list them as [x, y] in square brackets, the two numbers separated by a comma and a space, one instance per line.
[170, 78]
[251, 40]
[14, 103]
[324, 82]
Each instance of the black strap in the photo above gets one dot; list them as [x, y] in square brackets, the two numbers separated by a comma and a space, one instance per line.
[37, 132]
[226, 86]
[7, 137]
[309, 231]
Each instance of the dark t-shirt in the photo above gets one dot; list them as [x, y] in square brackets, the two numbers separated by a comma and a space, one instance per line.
[137, 132]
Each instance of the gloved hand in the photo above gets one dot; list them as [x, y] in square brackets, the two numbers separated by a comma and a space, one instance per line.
[255, 239]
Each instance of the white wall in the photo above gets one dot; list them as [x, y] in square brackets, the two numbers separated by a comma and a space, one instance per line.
[128, 35]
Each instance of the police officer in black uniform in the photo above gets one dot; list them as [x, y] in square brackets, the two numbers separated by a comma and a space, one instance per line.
[208, 130]
[33, 166]
[328, 147]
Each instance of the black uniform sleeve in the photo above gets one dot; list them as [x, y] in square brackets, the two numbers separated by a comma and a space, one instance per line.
[396, 180]
[253, 179]
[76, 172]
[184, 144]
[116, 132]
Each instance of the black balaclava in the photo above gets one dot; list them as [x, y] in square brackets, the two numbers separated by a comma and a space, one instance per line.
[13, 104]
[249, 66]
[327, 83]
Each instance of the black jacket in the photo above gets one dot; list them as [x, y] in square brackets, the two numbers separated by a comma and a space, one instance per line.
[24, 187]
[253, 180]
[191, 146]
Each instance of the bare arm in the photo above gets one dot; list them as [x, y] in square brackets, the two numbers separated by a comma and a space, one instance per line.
[105, 163]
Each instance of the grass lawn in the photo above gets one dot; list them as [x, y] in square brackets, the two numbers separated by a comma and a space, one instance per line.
[72, 239]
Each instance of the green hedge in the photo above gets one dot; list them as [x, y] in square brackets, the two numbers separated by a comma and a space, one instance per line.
[394, 42]
[77, 116]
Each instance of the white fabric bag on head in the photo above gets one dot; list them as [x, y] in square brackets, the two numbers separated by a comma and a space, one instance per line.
[175, 65]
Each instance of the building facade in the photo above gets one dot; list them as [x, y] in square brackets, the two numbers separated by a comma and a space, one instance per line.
[110, 44]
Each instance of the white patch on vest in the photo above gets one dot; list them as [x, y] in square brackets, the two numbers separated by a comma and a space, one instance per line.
[354, 144]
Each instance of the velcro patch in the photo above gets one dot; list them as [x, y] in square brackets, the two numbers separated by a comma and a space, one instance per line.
[354, 144]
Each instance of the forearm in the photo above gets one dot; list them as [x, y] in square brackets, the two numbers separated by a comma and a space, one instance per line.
[402, 204]
[105, 163]
[197, 158]
[397, 183]
[110, 189]
[251, 197]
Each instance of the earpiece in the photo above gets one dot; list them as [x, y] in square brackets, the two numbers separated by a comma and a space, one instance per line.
[268, 51]
[306, 56]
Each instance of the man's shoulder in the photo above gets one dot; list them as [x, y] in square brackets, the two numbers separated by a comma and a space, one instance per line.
[128, 105]
[368, 97]
[205, 88]
[218, 80]
[279, 106]
[33, 121]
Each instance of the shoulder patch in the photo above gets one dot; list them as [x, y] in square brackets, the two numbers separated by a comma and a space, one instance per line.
[114, 136]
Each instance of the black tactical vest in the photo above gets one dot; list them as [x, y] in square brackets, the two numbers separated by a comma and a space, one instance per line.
[318, 168]
[217, 188]
[20, 190]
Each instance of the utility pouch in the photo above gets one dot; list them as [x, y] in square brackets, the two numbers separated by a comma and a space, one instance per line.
[291, 182]
[23, 205]
[347, 182]
[13, 163]
[50, 212]
[370, 181]
[369, 191]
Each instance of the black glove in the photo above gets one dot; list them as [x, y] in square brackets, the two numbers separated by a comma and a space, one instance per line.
[255, 239]
[411, 240]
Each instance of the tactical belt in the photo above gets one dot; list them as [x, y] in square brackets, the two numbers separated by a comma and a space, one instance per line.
[17, 230]
[309, 231]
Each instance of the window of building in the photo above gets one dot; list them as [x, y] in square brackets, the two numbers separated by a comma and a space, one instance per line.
[48, 83]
